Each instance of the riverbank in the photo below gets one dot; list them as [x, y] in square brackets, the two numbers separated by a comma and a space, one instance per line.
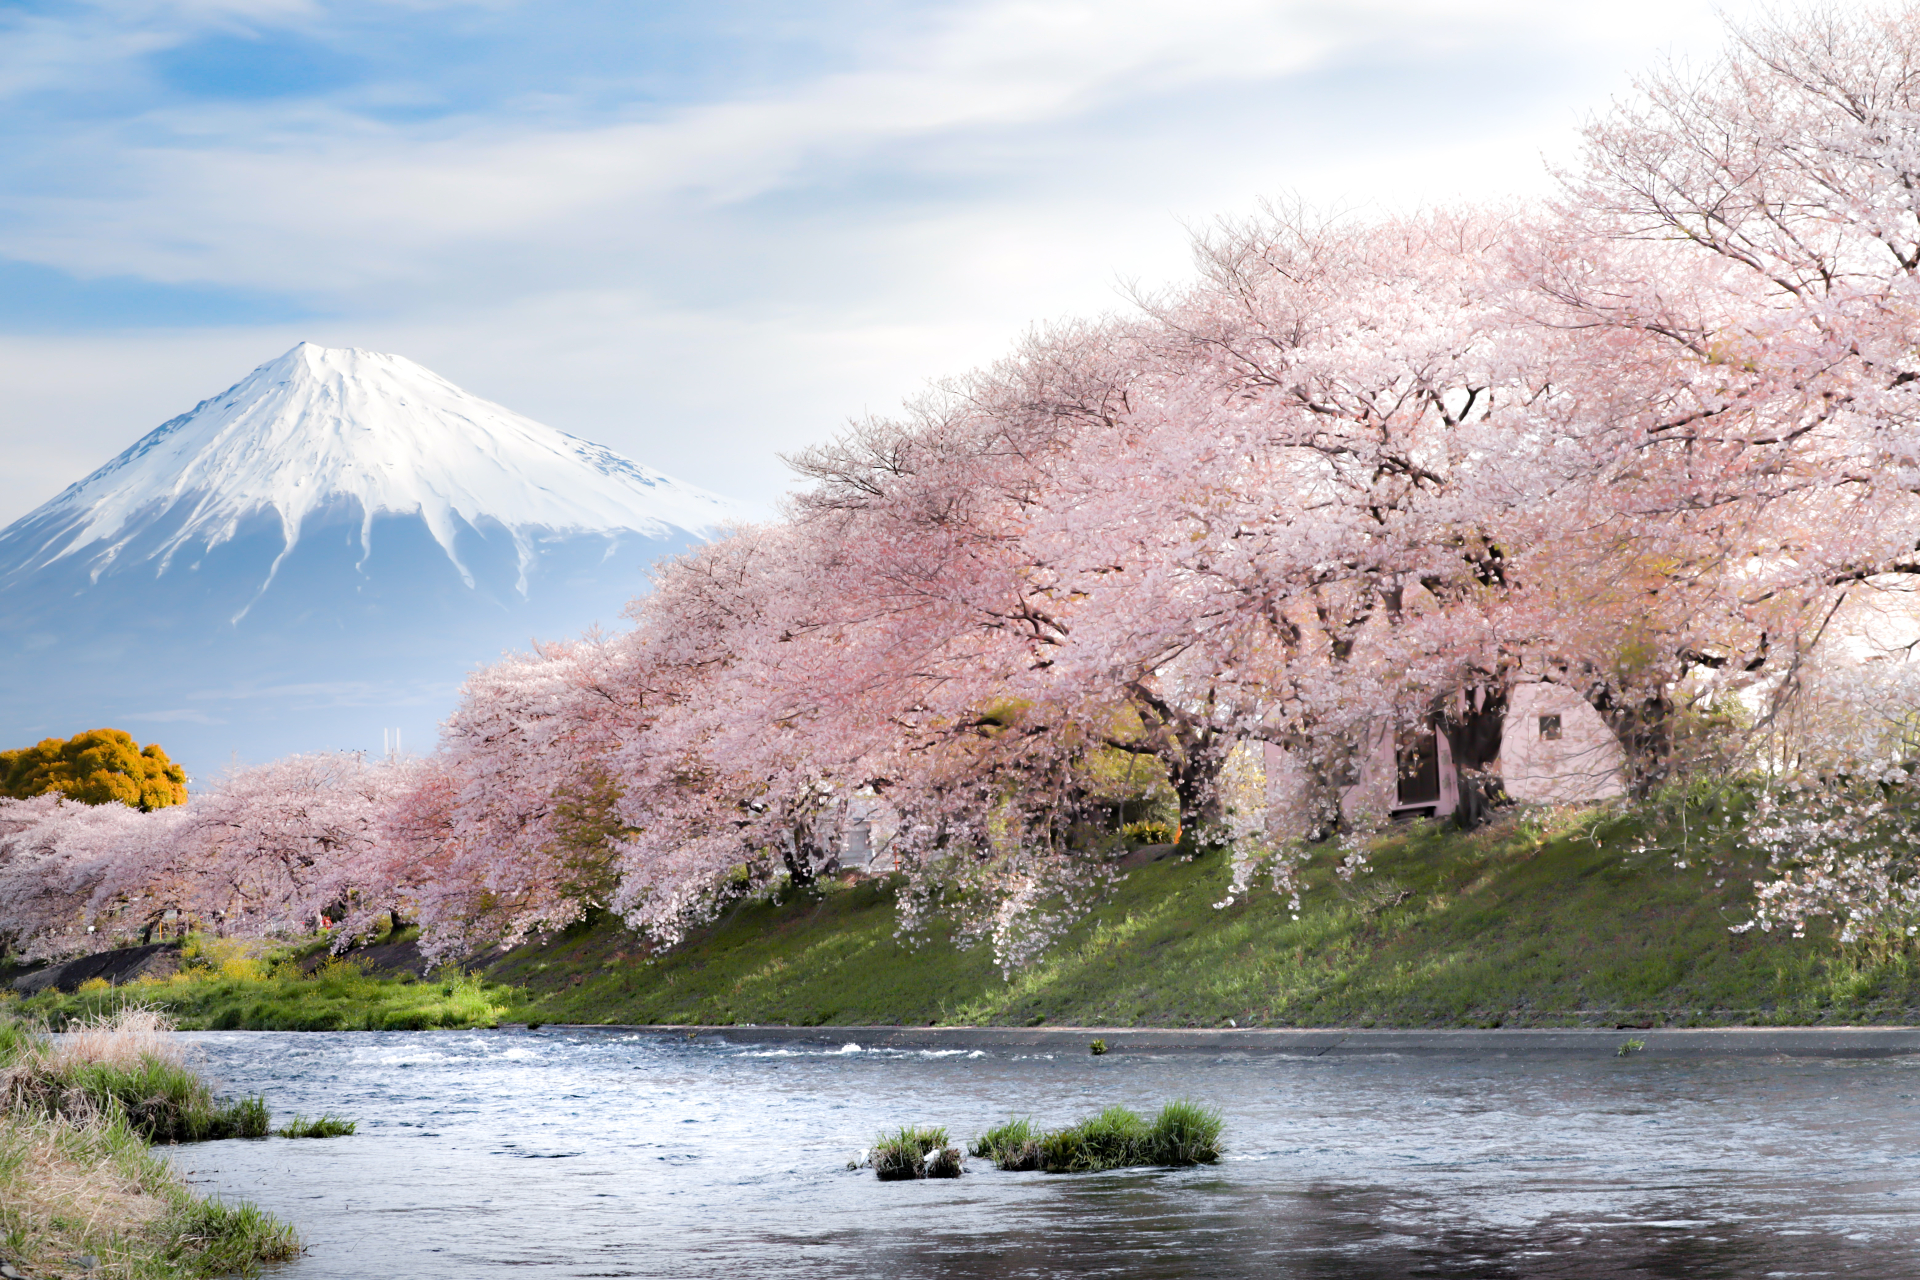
[1587, 923]
[1571, 920]
[1323, 1042]
[82, 1193]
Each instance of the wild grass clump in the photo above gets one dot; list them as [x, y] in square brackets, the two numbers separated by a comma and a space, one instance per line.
[219, 1239]
[326, 1126]
[1014, 1145]
[1114, 1139]
[78, 1180]
[1183, 1133]
[913, 1153]
[128, 1064]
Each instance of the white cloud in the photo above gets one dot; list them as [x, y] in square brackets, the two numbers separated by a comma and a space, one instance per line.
[701, 284]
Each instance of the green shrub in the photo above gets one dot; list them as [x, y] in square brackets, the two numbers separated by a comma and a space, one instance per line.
[326, 1126]
[1149, 832]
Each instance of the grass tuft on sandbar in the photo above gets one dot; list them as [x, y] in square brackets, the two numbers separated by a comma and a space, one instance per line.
[325, 1126]
[914, 1153]
[1183, 1133]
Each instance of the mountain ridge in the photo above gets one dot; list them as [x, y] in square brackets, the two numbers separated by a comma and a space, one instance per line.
[316, 554]
[317, 425]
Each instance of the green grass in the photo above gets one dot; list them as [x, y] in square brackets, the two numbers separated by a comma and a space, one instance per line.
[326, 1126]
[1513, 925]
[336, 996]
[69, 1190]
[1183, 1133]
[77, 1176]
[914, 1153]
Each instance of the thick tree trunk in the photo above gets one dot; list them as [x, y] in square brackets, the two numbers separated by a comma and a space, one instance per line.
[1644, 726]
[804, 856]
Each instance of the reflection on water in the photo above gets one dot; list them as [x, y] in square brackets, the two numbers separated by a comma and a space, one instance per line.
[562, 1153]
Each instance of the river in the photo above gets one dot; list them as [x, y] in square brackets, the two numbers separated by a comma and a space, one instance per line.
[602, 1153]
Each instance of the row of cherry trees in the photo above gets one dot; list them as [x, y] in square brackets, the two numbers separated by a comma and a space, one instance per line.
[1644, 441]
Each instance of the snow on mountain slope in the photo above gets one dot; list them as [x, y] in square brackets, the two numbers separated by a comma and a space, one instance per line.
[319, 554]
[320, 427]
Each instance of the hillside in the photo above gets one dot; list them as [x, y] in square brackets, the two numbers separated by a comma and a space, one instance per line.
[1513, 925]
[1507, 926]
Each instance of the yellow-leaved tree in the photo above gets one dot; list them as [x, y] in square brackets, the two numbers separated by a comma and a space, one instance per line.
[95, 767]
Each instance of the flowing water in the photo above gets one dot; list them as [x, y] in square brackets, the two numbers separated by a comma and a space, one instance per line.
[602, 1153]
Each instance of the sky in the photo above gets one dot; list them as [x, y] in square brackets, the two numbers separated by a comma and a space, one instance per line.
[704, 233]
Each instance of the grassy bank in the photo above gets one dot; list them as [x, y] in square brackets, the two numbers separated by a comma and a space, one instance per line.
[1520, 924]
[80, 1191]
[1574, 919]
[224, 986]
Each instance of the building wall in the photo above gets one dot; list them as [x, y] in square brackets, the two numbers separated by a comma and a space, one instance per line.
[1582, 763]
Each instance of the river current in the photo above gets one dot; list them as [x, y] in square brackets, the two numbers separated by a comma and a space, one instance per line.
[605, 1153]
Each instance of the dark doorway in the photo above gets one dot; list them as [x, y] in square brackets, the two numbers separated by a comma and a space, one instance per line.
[1419, 762]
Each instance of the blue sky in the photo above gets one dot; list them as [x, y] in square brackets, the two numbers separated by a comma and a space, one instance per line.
[700, 233]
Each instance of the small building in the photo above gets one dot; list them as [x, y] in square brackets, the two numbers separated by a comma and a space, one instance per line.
[1546, 745]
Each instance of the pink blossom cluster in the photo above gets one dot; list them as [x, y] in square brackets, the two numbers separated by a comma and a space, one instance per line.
[269, 851]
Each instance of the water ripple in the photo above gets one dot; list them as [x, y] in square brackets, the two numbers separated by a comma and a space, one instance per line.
[581, 1153]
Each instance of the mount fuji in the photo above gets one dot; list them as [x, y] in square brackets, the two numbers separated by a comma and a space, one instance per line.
[316, 555]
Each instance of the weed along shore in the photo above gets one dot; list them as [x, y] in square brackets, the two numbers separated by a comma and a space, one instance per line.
[218, 984]
[81, 1191]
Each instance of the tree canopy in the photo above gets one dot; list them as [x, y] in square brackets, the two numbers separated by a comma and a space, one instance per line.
[100, 766]
[1356, 476]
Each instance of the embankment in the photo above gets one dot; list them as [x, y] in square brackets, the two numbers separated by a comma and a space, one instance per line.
[81, 1193]
[1588, 923]
[1509, 926]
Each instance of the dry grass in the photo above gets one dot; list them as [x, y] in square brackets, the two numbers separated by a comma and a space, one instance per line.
[77, 1178]
[125, 1062]
[122, 1038]
[68, 1189]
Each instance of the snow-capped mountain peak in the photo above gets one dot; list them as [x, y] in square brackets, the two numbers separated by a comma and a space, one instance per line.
[327, 430]
[318, 555]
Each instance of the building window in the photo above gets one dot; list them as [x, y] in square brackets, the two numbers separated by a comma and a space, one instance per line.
[1550, 727]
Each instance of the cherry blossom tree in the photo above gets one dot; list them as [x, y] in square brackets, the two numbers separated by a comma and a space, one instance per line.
[1739, 254]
